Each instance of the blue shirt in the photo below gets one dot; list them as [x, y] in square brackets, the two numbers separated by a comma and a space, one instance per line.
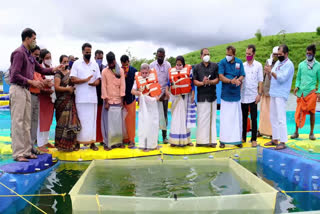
[281, 86]
[230, 92]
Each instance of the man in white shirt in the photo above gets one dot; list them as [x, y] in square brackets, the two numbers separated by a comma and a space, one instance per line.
[162, 67]
[85, 74]
[251, 92]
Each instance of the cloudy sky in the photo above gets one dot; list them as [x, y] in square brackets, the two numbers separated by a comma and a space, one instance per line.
[142, 26]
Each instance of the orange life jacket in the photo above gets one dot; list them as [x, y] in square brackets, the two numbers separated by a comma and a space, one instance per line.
[150, 85]
[180, 80]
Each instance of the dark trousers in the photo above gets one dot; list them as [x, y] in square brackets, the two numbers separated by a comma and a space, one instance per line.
[253, 114]
[165, 111]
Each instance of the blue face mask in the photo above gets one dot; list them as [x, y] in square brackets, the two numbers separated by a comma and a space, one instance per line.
[70, 64]
[99, 61]
[310, 57]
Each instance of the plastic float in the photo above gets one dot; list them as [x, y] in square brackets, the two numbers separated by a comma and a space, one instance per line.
[24, 178]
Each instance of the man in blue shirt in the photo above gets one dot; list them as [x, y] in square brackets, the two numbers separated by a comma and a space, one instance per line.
[231, 73]
[281, 80]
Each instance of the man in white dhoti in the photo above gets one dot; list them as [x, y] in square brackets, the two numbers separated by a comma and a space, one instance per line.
[206, 77]
[148, 89]
[85, 74]
[281, 80]
[231, 73]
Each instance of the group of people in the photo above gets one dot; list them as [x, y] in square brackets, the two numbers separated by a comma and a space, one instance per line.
[97, 103]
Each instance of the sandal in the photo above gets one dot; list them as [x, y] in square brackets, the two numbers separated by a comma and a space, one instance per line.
[77, 147]
[280, 146]
[294, 136]
[222, 145]
[94, 147]
[21, 159]
[35, 151]
[131, 144]
[254, 144]
[259, 134]
[32, 156]
[271, 143]
[51, 146]
[213, 145]
[190, 144]
[146, 150]
[172, 145]
[165, 141]
[312, 137]
[239, 145]
[106, 148]
[122, 146]
[43, 149]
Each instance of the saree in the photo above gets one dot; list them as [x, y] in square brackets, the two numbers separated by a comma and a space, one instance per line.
[68, 124]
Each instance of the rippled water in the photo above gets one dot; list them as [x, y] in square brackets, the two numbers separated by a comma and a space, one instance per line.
[162, 181]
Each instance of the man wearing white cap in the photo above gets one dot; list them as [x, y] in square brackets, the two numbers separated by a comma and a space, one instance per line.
[264, 121]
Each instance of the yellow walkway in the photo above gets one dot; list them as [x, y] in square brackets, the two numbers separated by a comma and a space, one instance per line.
[165, 149]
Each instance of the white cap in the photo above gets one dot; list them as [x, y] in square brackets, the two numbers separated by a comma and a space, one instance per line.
[275, 49]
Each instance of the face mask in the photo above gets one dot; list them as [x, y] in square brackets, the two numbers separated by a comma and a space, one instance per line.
[160, 61]
[206, 58]
[70, 64]
[249, 58]
[179, 68]
[47, 62]
[33, 44]
[87, 56]
[281, 58]
[99, 61]
[310, 57]
[229, 58]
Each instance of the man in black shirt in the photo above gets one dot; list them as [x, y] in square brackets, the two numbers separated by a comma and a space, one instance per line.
[205, 77]
[129, 101]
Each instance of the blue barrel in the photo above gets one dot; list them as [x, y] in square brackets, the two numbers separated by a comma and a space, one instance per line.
[6, 86]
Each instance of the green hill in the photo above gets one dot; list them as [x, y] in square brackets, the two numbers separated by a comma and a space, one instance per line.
[297, 43]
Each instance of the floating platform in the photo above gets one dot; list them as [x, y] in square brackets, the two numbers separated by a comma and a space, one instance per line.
[24, 178]
[86, 154]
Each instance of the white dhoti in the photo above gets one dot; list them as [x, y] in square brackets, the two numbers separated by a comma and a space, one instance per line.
[206, 128]
[179, 132]
[148, 122]
[87, 113]
[230, 122]
[42, 137]
[278, 119]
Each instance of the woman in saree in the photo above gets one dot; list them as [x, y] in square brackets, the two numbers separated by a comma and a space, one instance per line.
[68, 124]
[181, 91]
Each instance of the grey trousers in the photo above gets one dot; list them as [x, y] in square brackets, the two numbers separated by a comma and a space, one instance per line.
[34, 118]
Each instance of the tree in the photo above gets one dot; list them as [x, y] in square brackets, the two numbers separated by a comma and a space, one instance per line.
[282, 37]
[258, 35]
[172, 61]
[318, 31]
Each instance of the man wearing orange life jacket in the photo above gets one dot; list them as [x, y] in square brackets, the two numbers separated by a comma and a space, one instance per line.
[147, 88]
[180, 87]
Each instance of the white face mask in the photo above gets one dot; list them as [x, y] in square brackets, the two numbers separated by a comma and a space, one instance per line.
[229, 58]
[47, 62]
[206, 58]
